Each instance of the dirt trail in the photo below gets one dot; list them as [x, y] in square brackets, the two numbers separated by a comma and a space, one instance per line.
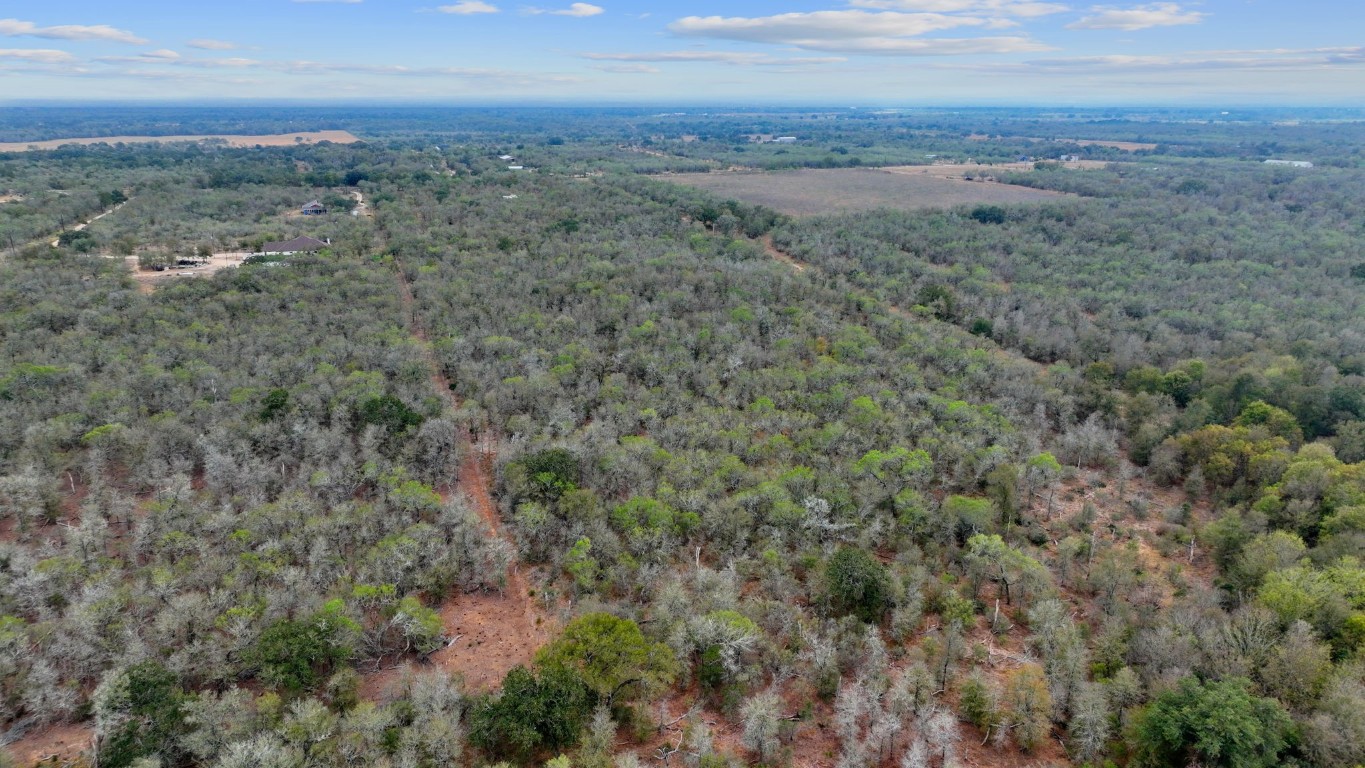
[362, 208]
[489, 633]
[90, 221]
[778, 255]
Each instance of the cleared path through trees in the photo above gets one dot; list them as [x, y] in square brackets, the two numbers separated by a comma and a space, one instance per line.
[488, 633]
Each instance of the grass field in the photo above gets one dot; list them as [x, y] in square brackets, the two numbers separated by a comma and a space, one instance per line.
[273, 140]
[816, 191]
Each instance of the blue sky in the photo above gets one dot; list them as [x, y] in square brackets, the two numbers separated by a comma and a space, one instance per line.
[853, 52]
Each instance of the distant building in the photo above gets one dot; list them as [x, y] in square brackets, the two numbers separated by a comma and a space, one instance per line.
[506, 157]
[516, 168]
[297, 245]
[785, 140]
[1291, 163]
[313, 208]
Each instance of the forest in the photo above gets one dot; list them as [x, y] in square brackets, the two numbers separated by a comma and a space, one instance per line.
[571, 464]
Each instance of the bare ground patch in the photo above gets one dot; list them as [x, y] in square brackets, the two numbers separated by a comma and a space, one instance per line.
[148, 280]
[57, 745]
[812, 192]
[267, 140]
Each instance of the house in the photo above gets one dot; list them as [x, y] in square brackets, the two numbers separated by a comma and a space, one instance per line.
[297, 245]
[506, 157]
[785, 140]
[1291, 163]
[313, 208]
[516, 167]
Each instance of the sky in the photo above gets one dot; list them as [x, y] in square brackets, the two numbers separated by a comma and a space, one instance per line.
[831, 52]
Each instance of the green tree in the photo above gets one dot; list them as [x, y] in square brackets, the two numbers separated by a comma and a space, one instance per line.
[532, 712]
[295, 655]
[610, 655]
[1214, 724]
[989, 214]
[857, 584]
[390, 413]
[551, 472]
[138, 713]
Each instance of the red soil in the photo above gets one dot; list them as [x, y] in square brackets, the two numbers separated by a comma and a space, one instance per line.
[56, 746]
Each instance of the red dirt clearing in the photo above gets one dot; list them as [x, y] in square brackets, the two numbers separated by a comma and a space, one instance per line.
[58, 745]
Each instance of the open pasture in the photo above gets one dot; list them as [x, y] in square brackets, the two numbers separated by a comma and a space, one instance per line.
[270, 140]
[819, 191]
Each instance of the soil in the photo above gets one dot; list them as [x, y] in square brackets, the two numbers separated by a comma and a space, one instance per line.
[58, 745]
[149, 280]
[232, 140]
[362, 208]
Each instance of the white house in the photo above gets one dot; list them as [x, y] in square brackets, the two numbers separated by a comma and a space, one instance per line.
[1291, 163]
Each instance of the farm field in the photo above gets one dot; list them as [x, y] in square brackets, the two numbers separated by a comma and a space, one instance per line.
[269, 140]
[811, 192]
[1126, 146]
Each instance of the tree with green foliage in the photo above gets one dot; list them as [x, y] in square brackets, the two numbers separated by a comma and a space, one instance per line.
[390, 413]
[294, 655]
[139, 714]
[273, 404]
[1215, 724]
[551, 472]
[989, 214]
[611, 656]
[533, 711]
[858, 584]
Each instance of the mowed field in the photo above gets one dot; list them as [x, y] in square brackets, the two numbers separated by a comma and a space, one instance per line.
[811, 192]
[270, 140]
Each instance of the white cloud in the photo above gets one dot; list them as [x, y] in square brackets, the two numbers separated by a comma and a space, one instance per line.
[581, 10]
[208, 44]
[1025, 8]
[468, 7]
[17, 28]
[1137, 17]
[819, 25]
[37, 55]
[859, 32]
